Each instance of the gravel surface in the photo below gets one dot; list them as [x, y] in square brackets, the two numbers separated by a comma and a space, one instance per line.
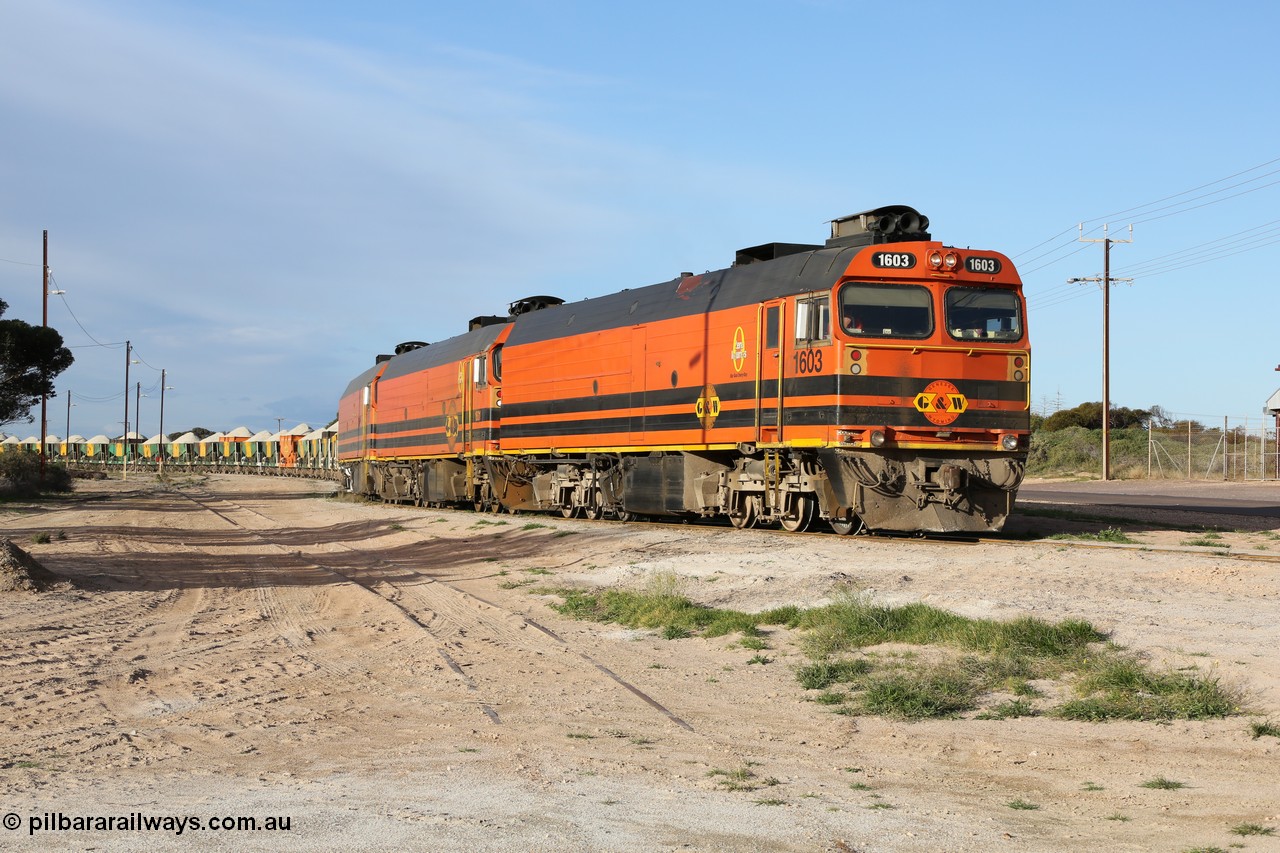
[391, 678]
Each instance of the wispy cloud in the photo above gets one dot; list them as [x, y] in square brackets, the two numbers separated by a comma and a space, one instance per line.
[261, 194]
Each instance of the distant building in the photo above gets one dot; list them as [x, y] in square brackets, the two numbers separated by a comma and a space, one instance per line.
[1272, 406]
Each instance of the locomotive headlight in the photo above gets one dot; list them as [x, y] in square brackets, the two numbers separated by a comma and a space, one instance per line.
[1009, 442]
[1017, 376]
[935, 260]
[950, 260]
[877, 438]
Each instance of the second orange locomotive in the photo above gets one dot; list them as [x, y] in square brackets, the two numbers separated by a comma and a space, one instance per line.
[877, 382]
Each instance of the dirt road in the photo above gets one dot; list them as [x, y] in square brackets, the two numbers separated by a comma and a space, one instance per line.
[394, 678]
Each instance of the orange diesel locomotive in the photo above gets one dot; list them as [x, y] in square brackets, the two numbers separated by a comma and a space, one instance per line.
[877, 382]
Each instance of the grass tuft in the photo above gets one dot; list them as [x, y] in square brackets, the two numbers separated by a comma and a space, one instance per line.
[1162, 784]
[1252, 829]
[1022, 805]
[1261, 728]
[854, 621]
[1009, 710]
[941, 692]
[661, 605]
[822, 674]
[734, 780]
[1120, 687]
[1107, 534]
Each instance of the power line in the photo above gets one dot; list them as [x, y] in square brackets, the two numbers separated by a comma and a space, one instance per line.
[1160, 267]
[1207, 203]
[1197, 189]
[1240, 237]
[65, 304]
[1239, 242]
[1181, 208]
[1077, 294]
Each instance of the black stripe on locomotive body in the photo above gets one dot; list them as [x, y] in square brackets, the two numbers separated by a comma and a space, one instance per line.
[571, 410]
[792, 415]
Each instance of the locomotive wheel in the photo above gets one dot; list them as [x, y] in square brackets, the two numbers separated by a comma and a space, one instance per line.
[749, 515]
[803, 506]
[845, 526]
[571, 511]
[594, 509]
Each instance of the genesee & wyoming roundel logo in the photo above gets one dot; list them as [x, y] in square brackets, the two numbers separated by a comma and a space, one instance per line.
[941, 402]
[739, 354]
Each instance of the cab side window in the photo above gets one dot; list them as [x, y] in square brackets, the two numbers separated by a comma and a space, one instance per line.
[813, 320]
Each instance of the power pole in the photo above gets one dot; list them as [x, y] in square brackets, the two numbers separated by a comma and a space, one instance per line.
[128, 354]
[163, 388]
[44, 321]
[1105, 280]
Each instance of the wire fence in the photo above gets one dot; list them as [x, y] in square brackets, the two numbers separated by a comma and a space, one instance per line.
[1239, 449]
[1180, 447]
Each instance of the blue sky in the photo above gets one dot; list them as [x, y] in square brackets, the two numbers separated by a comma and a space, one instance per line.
[261, 196]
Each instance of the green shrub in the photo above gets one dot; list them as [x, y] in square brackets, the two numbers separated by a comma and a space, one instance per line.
[20, 473]
[1076, 449]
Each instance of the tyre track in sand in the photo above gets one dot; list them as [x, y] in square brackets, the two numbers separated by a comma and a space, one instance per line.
[453, 617]
[287, 596]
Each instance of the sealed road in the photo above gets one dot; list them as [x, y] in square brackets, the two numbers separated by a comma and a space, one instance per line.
[1195, 496]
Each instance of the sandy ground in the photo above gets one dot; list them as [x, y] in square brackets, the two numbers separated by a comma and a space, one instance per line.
[391, 678]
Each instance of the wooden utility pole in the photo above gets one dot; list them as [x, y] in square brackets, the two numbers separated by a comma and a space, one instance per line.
[160, 464]
[1105, 280]
[124, 442]
[44, 322]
